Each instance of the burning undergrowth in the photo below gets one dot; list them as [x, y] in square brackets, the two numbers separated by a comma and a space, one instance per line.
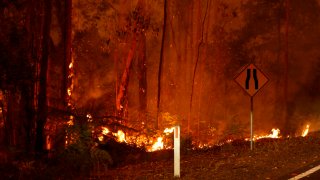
[112, 142]
[125, 144]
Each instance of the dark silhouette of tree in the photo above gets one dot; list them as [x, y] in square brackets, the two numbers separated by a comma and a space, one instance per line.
[197, 59]
[42, 97]
[161, 60]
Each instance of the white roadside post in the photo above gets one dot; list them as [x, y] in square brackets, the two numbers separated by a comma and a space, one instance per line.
[176, 151]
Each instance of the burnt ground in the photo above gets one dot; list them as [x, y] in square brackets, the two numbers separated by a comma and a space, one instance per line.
[270, 159]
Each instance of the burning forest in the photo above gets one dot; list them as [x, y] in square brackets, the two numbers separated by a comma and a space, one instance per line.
[96, 87]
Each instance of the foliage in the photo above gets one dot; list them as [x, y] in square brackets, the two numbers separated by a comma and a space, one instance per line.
[169, 120]
[82, 154]
[186, 144]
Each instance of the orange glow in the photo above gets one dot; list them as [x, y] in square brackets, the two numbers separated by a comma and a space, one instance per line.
[100, 138]
[275, 134]
[48, 142]
[167, 131]
[70, 122]
[157, 145]
[305, 131]
[69, 92]
[120, 135]
[105, 131]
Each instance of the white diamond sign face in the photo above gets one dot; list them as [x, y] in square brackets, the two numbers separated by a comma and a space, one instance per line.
[251, 79]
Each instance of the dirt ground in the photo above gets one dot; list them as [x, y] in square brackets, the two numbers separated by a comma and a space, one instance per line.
[270, 159]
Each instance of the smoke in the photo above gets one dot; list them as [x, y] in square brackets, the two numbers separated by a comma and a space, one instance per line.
[235, 35]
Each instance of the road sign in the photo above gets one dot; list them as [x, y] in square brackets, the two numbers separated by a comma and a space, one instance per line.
[251, 79]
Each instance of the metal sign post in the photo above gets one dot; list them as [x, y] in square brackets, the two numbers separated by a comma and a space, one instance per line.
[251, 79]
[176, 151]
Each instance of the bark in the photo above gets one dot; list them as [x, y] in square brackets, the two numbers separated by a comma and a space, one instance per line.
[9, 127]
[42, 97]
[161, 61]
[142, 76]
[202, 68]
[27, 109]
[137, 33]
[67, 49]
[197, 61]
[191, 55]
[286, 64]
[125, 78]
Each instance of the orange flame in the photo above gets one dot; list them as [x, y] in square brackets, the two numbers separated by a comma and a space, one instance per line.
[157, 145]
[305, 131]
[275, 134]
[120, 135]
[167, 131]
[105, 131]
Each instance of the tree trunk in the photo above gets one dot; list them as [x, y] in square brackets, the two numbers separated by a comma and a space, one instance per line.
[67, 50]
[142, 77]
[286, 64]
[200, 30]
[161, 61]
[27, 109]
[42, 97]
[9, 123]
[125, 78]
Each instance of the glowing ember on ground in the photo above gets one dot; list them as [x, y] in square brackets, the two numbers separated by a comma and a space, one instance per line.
[100, 138]
[105, 131]
[305, 131]
[70, 122]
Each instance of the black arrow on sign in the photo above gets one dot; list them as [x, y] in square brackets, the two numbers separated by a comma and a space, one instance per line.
[255, 78]
[248, 78]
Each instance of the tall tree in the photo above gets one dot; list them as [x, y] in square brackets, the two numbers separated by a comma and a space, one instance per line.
[161, 60]
[45, 8]
[142, 77]
[200, 43]
[138, 22]
[286, 60]
[67, 36]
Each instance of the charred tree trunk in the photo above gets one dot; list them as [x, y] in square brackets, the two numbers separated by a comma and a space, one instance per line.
[142, 77]
[42, 97]
[67, 49]
[286, 64]
[9, 123]
[161, 61]
[27, 114]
